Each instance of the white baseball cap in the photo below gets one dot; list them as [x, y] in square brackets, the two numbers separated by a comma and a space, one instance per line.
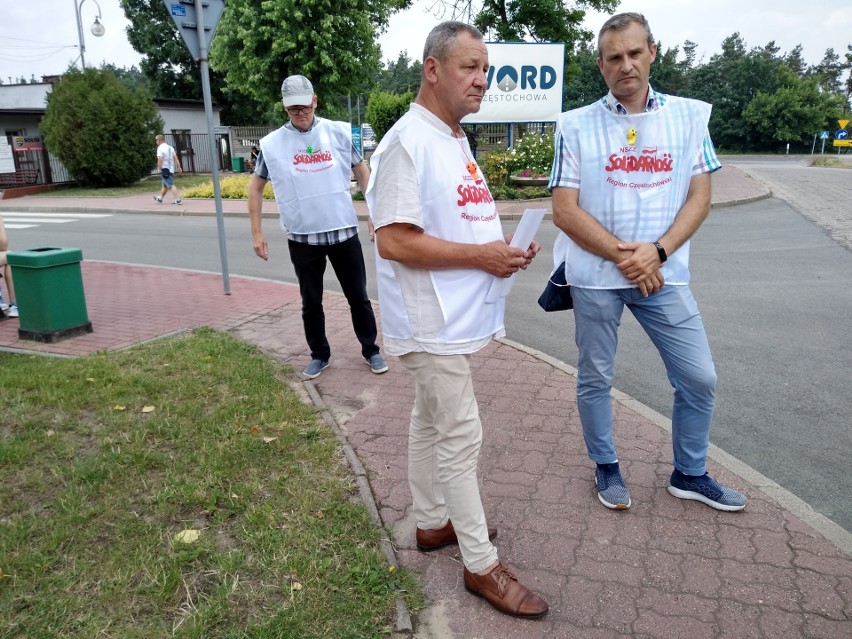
[297, 90]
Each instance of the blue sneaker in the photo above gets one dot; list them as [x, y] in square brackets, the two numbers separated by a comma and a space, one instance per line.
[706, 490]
[611, 489]
[316, 367]
[377, 364]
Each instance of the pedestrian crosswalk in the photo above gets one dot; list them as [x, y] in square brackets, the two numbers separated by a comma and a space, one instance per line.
[17, 220]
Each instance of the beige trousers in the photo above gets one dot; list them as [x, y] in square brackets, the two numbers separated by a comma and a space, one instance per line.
[444, 439]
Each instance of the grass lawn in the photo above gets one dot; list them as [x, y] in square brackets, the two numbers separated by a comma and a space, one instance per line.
[110, 467]
[149, 185]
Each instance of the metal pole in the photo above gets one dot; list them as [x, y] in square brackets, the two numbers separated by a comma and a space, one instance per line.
[214, 157]
[77, 9]
[813, 146]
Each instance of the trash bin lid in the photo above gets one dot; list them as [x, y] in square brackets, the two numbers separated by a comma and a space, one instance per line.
[44, 256]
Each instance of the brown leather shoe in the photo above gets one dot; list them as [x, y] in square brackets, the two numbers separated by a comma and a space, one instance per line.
[429, 540]
[502, 590]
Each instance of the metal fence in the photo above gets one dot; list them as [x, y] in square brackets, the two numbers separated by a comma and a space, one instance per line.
[37, 166]
[193, 149]
[498, 137]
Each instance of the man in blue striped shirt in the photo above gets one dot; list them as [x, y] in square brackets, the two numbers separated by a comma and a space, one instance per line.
[631, 185]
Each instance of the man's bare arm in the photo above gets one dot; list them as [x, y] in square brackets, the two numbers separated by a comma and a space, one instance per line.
[581, 227]
[409, 245]
[255, 207]
[645, 258]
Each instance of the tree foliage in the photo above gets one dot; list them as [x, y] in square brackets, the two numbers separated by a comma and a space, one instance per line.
[384, 109]
[100, 129]
[400, 76]
[792, 113]
[537, 20]
[583, 81]
[258, 44]
[169, 67]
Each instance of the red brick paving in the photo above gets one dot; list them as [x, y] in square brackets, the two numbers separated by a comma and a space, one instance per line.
[665, 568]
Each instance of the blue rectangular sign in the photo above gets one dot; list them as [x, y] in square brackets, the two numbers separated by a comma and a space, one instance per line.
[178, 10]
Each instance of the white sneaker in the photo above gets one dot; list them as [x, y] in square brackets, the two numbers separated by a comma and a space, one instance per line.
[178, 202]
[158, 198]
[13, 310]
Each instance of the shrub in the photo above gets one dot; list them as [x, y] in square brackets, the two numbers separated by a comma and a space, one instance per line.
[532, 155]
[496, 166]
[100, 129]
[509, 192]
[233, 187]
[384, 109]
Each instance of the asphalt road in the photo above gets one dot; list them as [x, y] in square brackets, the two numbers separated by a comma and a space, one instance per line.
[773, 287]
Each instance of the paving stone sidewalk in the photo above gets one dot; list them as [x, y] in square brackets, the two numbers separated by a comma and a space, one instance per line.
[665, 568]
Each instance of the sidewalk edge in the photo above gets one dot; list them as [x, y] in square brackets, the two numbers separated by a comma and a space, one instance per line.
[403, 618]
[833, 532]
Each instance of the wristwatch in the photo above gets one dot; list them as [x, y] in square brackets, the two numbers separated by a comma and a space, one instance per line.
[661, 252]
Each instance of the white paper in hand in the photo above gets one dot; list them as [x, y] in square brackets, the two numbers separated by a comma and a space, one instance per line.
[523, 237]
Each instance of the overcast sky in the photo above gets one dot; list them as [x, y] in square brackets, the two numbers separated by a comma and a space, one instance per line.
[39, 37]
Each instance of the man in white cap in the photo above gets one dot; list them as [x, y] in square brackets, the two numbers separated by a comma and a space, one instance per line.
[309, 161]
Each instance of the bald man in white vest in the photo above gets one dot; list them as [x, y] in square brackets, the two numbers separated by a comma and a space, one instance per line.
[440, 246]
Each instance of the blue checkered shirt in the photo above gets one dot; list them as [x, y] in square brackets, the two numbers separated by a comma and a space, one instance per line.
[707, 161]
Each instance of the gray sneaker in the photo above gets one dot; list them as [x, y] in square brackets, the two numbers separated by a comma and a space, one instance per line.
[377, 364]
[612, 492]
[314, 369]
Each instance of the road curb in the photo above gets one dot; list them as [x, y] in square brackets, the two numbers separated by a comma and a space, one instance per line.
[786, 500]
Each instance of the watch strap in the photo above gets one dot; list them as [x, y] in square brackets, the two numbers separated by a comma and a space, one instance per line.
[661, 252]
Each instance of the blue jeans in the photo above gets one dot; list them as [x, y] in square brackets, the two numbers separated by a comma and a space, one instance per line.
[671, 319]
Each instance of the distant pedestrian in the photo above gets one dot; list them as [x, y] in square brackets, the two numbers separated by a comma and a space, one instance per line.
[9, 308]
[631, 185]
[167, 163]
[309, 161]
[441, 245]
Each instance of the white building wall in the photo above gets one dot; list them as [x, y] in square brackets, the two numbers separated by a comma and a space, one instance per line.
[182, 119]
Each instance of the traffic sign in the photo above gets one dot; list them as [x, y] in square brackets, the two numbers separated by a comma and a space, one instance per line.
[186, 19]
[823, 135]
[841, 142]
[841, 134]
[843, 123]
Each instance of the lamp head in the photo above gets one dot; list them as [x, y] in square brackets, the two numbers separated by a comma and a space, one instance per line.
[98, 29]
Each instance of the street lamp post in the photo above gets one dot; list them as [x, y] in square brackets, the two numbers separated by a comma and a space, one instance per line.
[97, 28]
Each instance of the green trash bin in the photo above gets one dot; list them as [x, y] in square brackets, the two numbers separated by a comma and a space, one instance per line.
[238, 164]
[49, 292]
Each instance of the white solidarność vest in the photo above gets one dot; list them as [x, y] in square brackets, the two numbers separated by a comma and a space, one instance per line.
[635, 171]
[310, 176]
[458, 208]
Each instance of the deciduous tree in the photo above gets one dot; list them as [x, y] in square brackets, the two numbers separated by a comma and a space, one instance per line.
[258, 44]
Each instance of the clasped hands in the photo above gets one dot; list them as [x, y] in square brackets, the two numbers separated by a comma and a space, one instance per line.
[640, 264]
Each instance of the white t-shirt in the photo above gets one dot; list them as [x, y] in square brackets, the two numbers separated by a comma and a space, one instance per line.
[168, 154]
[395, 198]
